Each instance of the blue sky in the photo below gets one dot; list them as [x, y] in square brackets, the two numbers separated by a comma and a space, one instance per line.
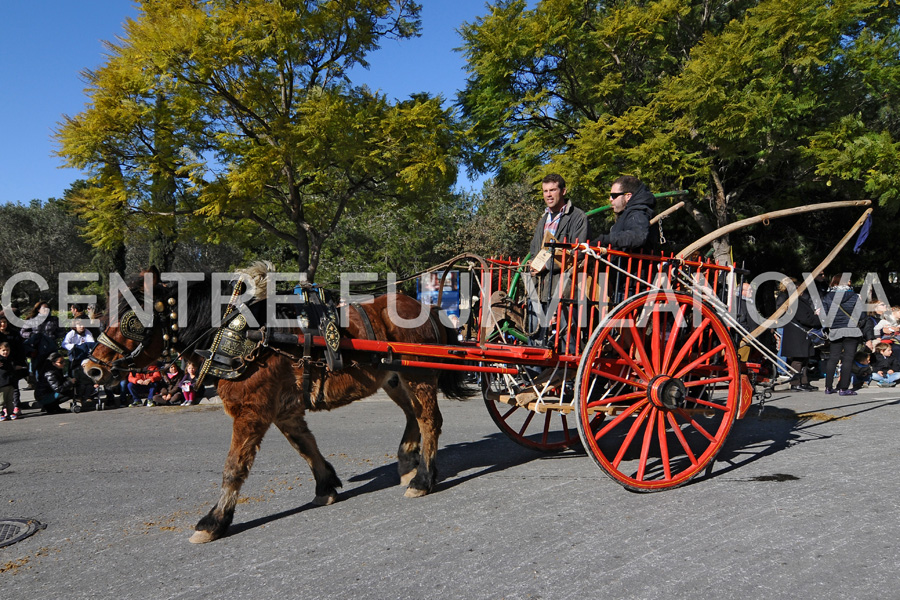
[46, 44]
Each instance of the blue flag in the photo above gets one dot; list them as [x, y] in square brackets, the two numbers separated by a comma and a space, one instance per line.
[863, 234]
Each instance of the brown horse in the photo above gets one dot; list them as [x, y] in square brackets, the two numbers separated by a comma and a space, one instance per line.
[270, 390]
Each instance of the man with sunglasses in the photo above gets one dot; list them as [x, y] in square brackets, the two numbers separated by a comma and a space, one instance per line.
[634, 206]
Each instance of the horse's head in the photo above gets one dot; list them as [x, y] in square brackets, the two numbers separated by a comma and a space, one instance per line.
[131, 342]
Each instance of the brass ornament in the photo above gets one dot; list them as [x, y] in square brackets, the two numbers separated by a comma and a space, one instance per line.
[332, 336]
[131, 327]
[239, 323]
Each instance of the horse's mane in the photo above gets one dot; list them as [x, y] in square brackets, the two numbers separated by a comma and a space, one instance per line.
[197, 321]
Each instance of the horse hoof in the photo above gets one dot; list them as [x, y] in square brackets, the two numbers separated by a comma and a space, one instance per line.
[202, 537]
[415, 493]
[405, 479]
[325, 499]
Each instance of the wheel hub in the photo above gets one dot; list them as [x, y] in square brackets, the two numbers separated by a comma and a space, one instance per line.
[666, 392]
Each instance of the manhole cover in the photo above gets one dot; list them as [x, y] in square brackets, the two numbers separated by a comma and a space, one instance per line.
[14, 530]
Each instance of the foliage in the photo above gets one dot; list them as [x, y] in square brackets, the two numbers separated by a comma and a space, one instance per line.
[40, 238]
[503, 221]
[235, 120]
[753, 105]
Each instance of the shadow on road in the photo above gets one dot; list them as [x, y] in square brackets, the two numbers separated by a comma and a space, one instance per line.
[491, 454]
[762, 434]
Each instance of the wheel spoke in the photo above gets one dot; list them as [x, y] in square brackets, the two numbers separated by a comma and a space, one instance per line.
[663, 445]
[696, 425]
[699, 360]
[708, 381]
[688, 345]
[707, 403]
[655, 341]
[620, 379]
[612, 424]
[673, 337]
[637, 369]
[614, 399]
[681, 439]
[638, 343]
[526, 423]
[631, 433]
[645, 446]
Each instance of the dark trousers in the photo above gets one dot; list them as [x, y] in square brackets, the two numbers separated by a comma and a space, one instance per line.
[843, 350]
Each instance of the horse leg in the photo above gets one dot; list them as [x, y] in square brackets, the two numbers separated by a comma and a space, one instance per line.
[297, 432]
[246, 436]
[424, 400]
[408, 456]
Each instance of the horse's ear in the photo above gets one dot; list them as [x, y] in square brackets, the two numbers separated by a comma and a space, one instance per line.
[154, 278]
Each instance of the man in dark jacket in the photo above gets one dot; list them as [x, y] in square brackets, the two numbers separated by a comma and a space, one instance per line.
[561, 219]
[634, 207]
[563, 222]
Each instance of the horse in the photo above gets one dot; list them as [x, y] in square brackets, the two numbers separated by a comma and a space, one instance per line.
[271, 388]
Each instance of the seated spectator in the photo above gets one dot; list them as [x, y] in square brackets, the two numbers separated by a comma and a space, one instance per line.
[143, 386]
[885, 366]
[78, 343]
[53, 388]
[169, 391]
[40, 334]
[188, 385]
[888, 328]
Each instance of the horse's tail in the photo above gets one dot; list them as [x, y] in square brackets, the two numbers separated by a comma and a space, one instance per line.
[453, 383]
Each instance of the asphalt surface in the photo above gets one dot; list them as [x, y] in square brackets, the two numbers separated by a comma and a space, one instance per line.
[802, 502]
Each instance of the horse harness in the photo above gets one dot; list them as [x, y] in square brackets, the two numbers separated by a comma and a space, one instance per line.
[231, 351]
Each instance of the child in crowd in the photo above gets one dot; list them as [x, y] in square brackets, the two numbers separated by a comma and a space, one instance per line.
[53, 388]
[169, 387]
[885, 366]
[9, 382]
[78, 343]
[188, 385]
[861, 370]
[144, 385]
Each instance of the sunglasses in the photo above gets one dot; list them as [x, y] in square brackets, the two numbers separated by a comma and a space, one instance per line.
[615, 195]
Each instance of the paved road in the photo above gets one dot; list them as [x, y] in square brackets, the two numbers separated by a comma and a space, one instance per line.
[802, 502]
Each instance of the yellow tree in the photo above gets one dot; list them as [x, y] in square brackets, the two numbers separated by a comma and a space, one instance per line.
[237, 118]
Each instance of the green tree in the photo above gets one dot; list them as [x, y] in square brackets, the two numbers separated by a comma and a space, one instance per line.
[753, 105]
[503, 220]
[239, 117]
[41, 238]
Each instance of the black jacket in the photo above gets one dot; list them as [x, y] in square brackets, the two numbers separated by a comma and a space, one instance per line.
[840, 305]
[53, 380]
[631, 231]
[794, 343]
[882, 363]
[573, 225]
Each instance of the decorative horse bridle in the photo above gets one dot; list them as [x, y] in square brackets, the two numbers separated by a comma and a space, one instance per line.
[131, 328]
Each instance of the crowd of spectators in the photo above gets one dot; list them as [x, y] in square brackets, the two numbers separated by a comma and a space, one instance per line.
[859, 348]
[46, 359]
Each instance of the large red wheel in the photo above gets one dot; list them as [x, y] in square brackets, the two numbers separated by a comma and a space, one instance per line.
[657, 390]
